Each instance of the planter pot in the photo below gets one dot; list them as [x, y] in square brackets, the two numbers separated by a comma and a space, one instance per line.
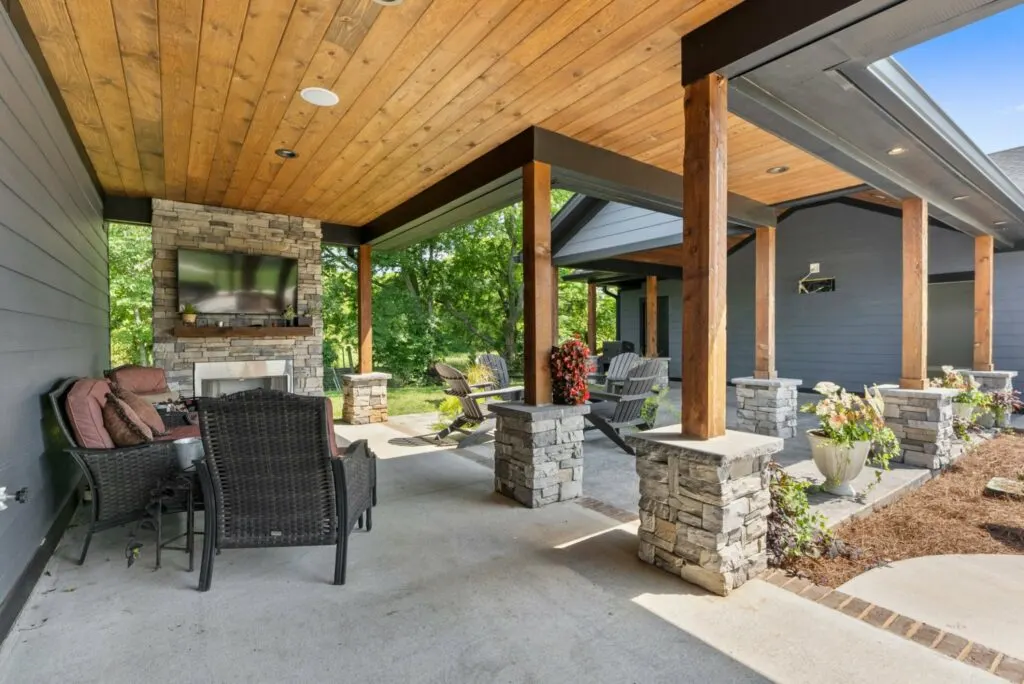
[188, 319]
[964, 412]
[304, 321]
[839, 464]
[987, 420]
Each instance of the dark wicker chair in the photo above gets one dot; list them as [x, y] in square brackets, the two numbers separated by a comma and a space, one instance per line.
[269, 479]
[122, 480]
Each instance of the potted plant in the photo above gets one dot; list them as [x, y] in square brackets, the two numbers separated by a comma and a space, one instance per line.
[306, 319]
[969, 399]
[852, 430]
[289, 316]
[188, 313]
[569, 373]
[1000, 406]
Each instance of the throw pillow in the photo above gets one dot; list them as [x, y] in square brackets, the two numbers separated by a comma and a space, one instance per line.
[123, 424]
[143, 409]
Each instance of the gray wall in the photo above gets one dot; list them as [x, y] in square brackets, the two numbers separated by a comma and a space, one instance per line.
[617, 225]
[852, 336]
[53, 297]
[630, 330]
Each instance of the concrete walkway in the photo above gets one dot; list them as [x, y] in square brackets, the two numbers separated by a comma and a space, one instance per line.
[454, 584]
[979, 597]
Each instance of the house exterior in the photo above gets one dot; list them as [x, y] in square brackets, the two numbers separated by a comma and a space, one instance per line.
[850, 336]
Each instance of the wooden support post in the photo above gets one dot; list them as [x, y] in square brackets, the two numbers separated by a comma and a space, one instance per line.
[592, 317]
[764, 309]
[705, 249]
[554, 305]
[537, 282]
[365, 305]
[984, 279]
[915, 294]
[652, 317]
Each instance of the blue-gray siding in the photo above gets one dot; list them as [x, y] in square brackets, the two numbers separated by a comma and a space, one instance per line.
[617, 225]
[852, 336]
[53, 297]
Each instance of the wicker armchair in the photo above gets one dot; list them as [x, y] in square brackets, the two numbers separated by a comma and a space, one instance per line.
[121, 479]
[269, 478]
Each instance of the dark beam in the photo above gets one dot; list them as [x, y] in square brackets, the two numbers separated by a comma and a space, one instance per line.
[756, 32]
[128, 209]
[571, 218]
[337, 234]
[638, 268]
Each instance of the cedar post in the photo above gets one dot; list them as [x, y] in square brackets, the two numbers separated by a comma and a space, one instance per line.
[915, 294]
[365, 306]
[764, 311]
[537, 272]
[652, 317]
[984, 274]
[705, 249]
[592, 317]
[554, 305]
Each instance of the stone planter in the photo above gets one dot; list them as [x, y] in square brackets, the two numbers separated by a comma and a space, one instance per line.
[964, 412]
[839, 464]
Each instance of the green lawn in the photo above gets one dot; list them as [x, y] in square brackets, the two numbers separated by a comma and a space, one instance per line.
[402, 400]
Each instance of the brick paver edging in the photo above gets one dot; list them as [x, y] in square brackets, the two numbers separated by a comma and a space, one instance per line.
[947, 643]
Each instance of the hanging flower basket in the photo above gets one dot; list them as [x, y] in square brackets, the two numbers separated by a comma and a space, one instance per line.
[569, 373]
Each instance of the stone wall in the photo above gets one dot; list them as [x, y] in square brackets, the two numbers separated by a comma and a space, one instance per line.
[194, 226]
[365, 398]
[923, 422]
[767, 407]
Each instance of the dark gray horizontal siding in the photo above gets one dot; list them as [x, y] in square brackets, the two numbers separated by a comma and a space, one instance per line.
[618, 225]
[1008, 329]
[630, 322]
[54, 307]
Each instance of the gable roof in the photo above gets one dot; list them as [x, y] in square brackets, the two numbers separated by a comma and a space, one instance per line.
[1011, 161]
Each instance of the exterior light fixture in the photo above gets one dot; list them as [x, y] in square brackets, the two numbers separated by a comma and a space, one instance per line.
[959, 198]
[321, 97]
[285, 153]
[896, 151]
[776, 170]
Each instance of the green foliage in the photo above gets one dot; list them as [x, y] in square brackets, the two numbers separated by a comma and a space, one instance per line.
[793, 530]
[130, 258]
[449, 408]
[649, 411]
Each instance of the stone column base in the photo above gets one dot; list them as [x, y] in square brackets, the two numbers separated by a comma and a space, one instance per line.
[704, 505]
[767, 407]
[538, 452]
[923, 422]
[990, 381]
[365, 398]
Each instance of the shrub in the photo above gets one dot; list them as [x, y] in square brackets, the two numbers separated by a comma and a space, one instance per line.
[569, 373]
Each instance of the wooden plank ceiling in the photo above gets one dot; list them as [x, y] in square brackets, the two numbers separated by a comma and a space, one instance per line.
[188, 100]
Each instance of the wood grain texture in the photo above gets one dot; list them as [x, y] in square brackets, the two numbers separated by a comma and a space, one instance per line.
[651, 349]
[914, 373]
[555, 279]
[364, 287]
[538, 337]
[189, 99]
[764, 303]
[704, 278]
[984, 280]
[592, 317]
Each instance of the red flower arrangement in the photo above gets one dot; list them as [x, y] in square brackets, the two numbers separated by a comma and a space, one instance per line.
[569, 373]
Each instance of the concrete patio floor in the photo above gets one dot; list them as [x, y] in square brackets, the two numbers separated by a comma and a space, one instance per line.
[454, 584]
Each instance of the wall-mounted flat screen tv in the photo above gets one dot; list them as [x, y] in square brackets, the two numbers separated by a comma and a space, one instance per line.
[229, 283]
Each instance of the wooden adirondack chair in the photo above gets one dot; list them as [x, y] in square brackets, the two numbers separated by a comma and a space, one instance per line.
[645, 368]
[617, 411]
[499, 372]
[618, 370]
[473, 413]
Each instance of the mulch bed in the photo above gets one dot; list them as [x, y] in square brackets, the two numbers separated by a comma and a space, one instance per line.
[948, 514]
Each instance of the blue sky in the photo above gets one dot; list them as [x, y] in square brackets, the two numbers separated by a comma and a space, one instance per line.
[976, 74]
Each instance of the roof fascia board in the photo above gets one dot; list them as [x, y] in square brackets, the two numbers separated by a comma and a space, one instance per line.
[338, 234]
[633, 268]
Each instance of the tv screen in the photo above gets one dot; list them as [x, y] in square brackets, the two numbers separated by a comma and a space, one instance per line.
[224, 282]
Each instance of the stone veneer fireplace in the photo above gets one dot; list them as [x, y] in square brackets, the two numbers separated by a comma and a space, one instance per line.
[239, 360]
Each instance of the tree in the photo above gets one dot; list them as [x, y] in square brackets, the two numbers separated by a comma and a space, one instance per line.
[130, 263]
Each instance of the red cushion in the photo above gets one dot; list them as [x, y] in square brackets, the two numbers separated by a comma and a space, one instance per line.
[124, 425]
[140, 379]
[179, 432]
[143, 409]
[84, 408]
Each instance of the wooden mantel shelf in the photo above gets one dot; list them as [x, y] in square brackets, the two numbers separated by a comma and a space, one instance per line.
[265, 331]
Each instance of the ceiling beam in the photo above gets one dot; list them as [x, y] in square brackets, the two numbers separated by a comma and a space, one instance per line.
[756, 32]
[118, 209]
[338, 234]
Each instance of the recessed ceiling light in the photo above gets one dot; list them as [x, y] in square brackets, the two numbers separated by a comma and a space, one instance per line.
[896, 151]
[958, 198]
[388, 3]
[999, 223]
[285, 153]
[775, 170]
[321, 97]
[878, 195]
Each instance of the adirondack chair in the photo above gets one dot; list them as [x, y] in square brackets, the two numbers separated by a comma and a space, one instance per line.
[499, 372]
[472, 411]
[617, 411]
[618, 370]
[645, 368]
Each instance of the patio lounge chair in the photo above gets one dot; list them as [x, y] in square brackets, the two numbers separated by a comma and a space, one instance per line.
[499, 371]
[618, 370]
[270, 477]
[617, 411]
[472, 412]
[643, 369]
